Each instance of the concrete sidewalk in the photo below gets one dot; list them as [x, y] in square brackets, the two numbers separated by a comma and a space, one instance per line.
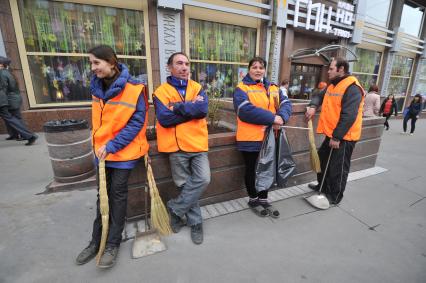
[377, 234]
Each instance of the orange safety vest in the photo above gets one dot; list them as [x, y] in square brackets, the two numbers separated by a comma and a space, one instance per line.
[258, 96]
[109, 118]
[191, 136]
[332, 106]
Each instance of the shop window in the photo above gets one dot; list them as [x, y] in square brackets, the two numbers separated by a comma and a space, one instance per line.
[412, 18]
[220, 53]
[367, 67]
[400, 77]
[421, 84]
[378, 12]
[57, 36]
[303, 80]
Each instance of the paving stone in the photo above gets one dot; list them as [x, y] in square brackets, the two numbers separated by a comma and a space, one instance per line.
[212, 210]
[219, 207]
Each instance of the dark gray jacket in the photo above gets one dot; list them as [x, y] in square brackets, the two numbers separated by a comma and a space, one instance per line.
[9, 90]
[350, 105]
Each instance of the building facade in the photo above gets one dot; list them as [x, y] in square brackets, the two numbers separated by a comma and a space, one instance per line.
[48, 43]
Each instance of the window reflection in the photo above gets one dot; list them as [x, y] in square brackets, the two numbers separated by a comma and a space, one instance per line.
[411, 19]
[378, 12]
[367, 67]
[57, 36]
[303, 80]
[220, 54]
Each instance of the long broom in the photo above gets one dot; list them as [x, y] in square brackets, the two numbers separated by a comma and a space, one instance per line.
[159, 215]
[104, 209]
[315, 161]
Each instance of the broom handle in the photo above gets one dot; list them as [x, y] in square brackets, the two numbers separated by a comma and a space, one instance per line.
[292, 127]
[325, 171]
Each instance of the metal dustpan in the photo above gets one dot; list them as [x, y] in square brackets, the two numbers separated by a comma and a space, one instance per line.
[147, 242]
[319, 200]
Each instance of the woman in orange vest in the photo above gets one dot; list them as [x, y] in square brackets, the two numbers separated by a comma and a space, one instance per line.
[119, 112]
[258, 104]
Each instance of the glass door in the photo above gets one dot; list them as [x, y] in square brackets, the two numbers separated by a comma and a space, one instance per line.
[303, 80]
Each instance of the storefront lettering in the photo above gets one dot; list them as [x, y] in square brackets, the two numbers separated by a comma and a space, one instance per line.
[168, 38]
[344, 15]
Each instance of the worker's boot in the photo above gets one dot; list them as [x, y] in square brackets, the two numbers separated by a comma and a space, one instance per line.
[108, 258]
[87, 254]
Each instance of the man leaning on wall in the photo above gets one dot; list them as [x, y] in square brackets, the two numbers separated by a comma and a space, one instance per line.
[181, 108]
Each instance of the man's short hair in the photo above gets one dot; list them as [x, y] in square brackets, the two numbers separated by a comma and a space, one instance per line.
[342, 62]
[170, 60]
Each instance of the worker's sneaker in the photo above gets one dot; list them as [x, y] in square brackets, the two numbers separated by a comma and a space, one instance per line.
[176, 223]
[314, 187]
[197, 233]
[108, 258]
[87, 254]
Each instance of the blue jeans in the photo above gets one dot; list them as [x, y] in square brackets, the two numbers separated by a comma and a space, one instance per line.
[191, 173]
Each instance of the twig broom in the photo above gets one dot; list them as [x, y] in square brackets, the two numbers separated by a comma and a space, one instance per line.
[315, 161]
[104, 209]
[159, 215]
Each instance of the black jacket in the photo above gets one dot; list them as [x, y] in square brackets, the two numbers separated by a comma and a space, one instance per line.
[9, 90]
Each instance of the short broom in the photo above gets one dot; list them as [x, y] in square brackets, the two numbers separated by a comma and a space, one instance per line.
[104, 209]
[315, 161]
[159, 216]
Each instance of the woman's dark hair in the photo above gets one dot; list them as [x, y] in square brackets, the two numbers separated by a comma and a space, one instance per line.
[420, 98]
[257, 59]
[170, 60]
[285, 82]
[106, 53]
[374, 88]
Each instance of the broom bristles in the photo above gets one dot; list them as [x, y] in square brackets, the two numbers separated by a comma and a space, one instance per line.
[104, 209]
[315, 161]
[159, 214]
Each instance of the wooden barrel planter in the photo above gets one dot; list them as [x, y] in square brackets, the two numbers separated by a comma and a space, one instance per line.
[70, 150]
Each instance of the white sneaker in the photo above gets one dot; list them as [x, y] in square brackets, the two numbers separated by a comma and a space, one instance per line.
[403, 133]
[411, 134]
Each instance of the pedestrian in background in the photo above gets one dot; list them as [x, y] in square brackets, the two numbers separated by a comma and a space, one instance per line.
[320, 88]
[387, 108]
[413, 113]
[372, 102]
[258, 104]
[181, 107]
[284, 88]
[10, 105]
[119, 116]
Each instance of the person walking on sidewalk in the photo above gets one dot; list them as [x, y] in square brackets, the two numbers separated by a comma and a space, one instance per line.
[10, 104]
[372, 102]
[181, 107]
[387, 108]
[119, 115]
[341, 122]
[258, 104]
[413, 113]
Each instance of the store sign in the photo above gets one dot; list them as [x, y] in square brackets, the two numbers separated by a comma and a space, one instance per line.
[344, 15]
[169, 35]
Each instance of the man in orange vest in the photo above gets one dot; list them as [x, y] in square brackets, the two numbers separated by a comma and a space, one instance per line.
[341, 122]
[181, 108]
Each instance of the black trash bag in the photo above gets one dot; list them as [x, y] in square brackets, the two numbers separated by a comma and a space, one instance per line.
[285, 163]
[266, 162]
